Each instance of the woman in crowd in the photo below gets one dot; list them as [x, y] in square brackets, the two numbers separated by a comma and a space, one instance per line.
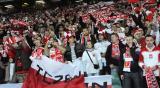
[101, 46]
[91, 59]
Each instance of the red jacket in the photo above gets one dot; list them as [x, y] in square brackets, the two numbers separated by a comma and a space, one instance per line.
[11, 52]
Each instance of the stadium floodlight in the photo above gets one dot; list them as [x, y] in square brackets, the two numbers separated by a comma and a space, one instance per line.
[40, 2]
[6, 0]
[79, 1]
[9, 6]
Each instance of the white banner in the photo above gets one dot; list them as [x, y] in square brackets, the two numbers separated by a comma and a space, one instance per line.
[60, 71]
[54, 69]
[51, 68]
[99, 79]
[11, 85]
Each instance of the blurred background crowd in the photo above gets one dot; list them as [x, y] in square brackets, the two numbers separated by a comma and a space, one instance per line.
[101, 35]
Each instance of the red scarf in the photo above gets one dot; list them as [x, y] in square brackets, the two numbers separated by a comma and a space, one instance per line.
[151, 79]
[127, 64]
[56, 54]
[46, 39]
[64, 41]
[127, 54]
[115, 50]
[83, 39]
[12, 39]
[38, 52]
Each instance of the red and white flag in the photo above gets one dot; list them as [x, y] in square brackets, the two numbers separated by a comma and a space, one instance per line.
[12, 39]
[48, 73]
[151, 79]
[20, 23]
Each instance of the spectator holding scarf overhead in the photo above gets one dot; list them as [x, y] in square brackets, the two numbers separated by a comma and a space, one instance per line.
[139, 38]
[73, 49]
[54, 51]
[92, 60]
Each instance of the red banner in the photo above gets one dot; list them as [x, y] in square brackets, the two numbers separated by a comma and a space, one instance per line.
[35, 80]
[133, 1]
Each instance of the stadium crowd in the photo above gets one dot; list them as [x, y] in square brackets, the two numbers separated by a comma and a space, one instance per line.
[120, 39]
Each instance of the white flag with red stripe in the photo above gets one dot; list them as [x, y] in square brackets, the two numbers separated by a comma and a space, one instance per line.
[47, 73]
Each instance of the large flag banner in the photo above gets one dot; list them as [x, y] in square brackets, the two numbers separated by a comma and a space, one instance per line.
[47, 73]
[103, 81]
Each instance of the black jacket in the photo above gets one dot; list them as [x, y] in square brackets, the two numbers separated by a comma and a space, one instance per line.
[134, 64]
[2, 75]
[138, 22]
[108, 55]
[79, 49]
